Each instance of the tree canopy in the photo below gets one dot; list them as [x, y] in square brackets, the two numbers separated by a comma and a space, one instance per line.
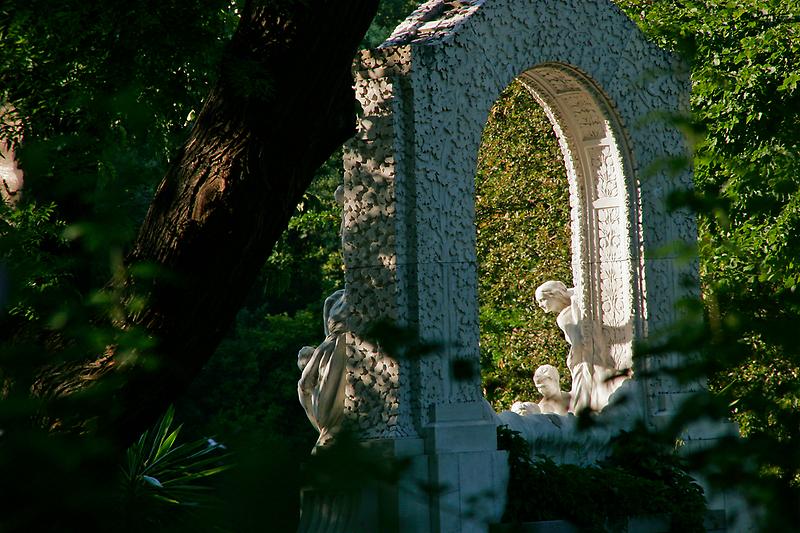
[228, 192]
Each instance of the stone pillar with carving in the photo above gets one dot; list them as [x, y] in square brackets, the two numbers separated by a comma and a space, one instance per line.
[418, 397]
[374, 244]
[378, 396]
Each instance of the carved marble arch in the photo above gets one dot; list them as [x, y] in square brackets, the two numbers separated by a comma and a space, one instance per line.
[408, 232]
[605, 211]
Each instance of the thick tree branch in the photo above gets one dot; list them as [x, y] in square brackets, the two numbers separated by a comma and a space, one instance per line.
[282, 105]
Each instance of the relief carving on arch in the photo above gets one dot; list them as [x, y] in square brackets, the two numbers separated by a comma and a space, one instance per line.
[603, 269]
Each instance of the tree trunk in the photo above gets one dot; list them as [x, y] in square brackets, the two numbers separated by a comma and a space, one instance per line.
[283, 103]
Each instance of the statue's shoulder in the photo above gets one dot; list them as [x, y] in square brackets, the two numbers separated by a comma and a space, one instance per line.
[566, 317]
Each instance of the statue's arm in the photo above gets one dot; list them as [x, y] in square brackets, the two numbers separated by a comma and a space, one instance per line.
[573, 324]
[570, 325]
[305, 387]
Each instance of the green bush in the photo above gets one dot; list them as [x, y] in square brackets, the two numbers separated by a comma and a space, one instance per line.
[639, 478]
[523, 239]
[163, 481]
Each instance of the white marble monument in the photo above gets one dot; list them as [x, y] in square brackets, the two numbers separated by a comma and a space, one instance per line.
[408, 237]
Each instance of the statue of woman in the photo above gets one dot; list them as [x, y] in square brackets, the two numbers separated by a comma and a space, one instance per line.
[555, 297]
[321, 385]
[592, 381]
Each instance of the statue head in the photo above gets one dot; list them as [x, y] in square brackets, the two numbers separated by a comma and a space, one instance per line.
[552, 296]
[546, 379]
[338, 195]
[303, 356]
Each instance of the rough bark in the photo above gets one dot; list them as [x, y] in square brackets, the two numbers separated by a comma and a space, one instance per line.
[283, 103]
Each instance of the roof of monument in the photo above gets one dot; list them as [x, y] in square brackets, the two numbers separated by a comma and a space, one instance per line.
[433, 22]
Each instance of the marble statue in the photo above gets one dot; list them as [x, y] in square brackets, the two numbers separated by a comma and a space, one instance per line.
[554, 400]
[525, 408]
[547, 382]
[555, 297]
[321, 385]
[590, 387]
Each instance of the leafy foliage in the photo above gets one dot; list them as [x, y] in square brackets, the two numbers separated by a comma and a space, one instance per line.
[28, 233]
[100, 106]
[162, 479]
[103, 105]
[251, 381]
[744, 59]
[744, 63]
[638, 479]
[523, 239]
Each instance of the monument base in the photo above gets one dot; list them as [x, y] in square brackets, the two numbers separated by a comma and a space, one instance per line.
[452, 481]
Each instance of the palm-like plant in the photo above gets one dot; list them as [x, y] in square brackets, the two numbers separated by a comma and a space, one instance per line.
[161, 478]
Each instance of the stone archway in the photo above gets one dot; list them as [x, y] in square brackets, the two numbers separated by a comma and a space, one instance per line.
[408, 222]
[605, 213]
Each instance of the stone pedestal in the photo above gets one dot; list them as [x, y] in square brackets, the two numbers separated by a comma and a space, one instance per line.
[468, 473]
[455, 484]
